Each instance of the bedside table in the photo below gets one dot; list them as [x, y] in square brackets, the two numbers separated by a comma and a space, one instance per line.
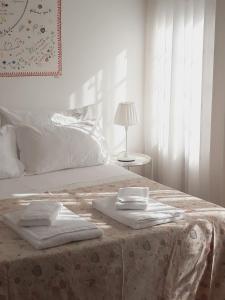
[139, 160]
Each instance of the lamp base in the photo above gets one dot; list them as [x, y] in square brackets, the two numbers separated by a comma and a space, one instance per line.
[125, 157]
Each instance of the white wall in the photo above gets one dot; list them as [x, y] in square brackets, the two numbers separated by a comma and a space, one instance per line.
[103, 45]
[218, 111]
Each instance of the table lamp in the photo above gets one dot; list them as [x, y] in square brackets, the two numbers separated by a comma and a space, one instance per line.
[126, 115]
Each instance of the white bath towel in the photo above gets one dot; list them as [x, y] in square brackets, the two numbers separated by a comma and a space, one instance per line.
[39, 213]
[156, 213]
[67, 227]
[133, 194]
[134, 205]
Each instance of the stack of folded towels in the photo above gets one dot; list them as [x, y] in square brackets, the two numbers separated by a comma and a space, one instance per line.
[49, 224]
[134, 208]
[132, 198]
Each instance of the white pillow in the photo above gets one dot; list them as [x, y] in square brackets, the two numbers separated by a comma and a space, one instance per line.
[43, 118]
[60, 147]
[10, 166]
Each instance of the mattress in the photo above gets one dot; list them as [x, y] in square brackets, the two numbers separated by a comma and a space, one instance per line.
[59, 180]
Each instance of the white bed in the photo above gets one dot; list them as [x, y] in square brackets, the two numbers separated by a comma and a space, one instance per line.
[58, 180]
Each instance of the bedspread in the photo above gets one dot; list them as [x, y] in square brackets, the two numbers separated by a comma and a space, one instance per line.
[184, 260]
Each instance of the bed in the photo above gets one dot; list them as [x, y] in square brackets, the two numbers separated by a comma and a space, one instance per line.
[183, 260]
[176, 261]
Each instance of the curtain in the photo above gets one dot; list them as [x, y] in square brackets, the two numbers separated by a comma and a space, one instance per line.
[178, 92]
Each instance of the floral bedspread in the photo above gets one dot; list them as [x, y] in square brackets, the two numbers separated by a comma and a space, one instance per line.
[177, 261]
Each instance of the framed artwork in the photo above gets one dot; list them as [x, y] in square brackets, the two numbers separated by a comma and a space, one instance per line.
[30, 38]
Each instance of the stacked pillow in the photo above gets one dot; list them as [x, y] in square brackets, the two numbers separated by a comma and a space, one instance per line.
[50, 141]
[42, 118]
[10, 166]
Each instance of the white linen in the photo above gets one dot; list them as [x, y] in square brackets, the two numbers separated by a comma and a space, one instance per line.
[132, 198]
[59, 180]
[10, 166]
[133, 194]
[60, 147]
[156, 213]
[132, 205]
[39, 213]
[68, 227]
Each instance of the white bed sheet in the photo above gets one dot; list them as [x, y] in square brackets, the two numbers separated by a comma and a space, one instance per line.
[59, 180]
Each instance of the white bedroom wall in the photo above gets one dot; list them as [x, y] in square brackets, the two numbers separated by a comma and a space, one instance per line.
[103, 46]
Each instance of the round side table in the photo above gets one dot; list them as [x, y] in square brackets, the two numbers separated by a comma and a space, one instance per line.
[139, 160]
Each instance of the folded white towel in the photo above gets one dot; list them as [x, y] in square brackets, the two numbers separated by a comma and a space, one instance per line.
[39, 213]
[135, 205]
[133, 194]
[156, 213]
[67, 227]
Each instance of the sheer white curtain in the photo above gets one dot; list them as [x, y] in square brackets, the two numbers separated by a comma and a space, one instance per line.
[179, 82]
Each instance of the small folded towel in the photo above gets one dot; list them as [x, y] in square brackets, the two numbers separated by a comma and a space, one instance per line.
[135, 205]
[67, 227]
[133, 194]
[156, 213]
[135, 198]
[39, 213]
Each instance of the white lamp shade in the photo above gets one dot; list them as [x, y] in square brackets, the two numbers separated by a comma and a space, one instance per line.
[126, 114]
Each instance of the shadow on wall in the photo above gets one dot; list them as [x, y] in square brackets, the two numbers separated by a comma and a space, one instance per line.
[108, 88]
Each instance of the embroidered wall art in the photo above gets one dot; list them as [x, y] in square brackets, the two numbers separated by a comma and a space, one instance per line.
[30, 38]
